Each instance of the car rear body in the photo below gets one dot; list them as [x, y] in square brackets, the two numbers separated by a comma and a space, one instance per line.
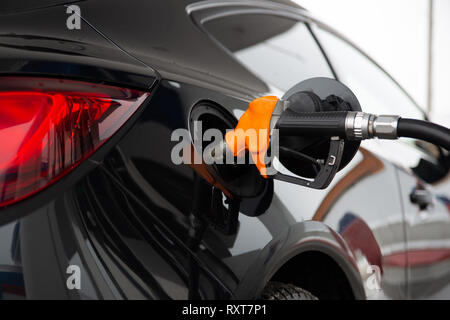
[124, 215]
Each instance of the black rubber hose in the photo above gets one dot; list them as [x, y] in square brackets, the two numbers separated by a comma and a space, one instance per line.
[424, 130]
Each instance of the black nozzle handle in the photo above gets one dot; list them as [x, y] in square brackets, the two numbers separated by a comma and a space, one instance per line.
[318, 124]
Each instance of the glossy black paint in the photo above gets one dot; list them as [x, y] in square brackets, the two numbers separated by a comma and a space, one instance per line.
[53, 51]
[141, 227]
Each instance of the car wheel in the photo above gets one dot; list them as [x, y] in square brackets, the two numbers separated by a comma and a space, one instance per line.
[284, 291]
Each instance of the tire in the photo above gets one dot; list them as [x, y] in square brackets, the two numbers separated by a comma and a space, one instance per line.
[283, 291]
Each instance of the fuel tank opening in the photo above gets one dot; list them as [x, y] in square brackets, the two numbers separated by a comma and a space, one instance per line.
[243, 180]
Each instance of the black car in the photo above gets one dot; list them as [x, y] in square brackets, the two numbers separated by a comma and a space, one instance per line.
[93, 207]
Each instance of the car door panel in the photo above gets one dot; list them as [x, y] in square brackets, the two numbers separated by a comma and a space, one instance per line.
[425, 216]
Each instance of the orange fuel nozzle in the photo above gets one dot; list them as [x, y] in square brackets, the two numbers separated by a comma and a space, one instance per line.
[252, 132]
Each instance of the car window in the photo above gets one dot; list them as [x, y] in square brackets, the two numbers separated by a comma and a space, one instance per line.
[379, 94]
[280, 51]
[375, 90]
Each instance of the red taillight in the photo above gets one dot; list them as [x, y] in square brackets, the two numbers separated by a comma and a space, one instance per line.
[48, 126]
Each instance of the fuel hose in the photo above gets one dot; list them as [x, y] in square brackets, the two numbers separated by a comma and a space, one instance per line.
[424, 130]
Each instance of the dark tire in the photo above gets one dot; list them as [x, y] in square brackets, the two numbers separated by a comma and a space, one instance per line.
[283, 291]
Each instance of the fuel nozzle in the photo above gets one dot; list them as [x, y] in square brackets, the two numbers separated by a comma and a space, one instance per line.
[253, 131]
[262, 119]
[320, 125]
[349, 125]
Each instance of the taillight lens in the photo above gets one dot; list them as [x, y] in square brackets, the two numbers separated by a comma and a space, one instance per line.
[48, 126]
